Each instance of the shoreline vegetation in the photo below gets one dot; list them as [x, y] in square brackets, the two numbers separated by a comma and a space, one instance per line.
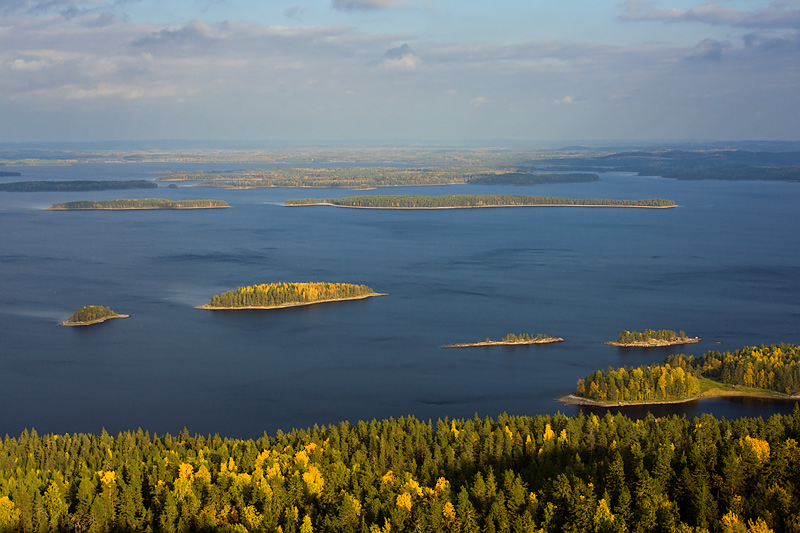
[91, 314]
[652, 339]
[509, 340]
[138, 204]
[771, 372]
[282, 295]
[460, 201]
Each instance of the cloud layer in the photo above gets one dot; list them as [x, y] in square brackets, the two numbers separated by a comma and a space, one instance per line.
[82, 70]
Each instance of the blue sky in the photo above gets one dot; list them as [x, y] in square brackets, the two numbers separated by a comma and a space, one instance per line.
[399, 70]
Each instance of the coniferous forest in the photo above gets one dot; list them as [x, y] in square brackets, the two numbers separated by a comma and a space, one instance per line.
[543, 473]
[91, 313]
[140, 203]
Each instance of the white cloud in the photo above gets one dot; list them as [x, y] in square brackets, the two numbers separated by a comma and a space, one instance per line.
[401, 58]
[362, 5]
[567, 100]
[479, 101]
[781, 14]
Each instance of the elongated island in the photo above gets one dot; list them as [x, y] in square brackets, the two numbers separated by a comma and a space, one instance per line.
[510, 340]
[461, 201]
[651, 339]
[766, 371]
[139, 203]
[91, 314]
[281, 295]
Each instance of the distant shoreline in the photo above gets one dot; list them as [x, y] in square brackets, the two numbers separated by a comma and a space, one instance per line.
[654, 343]
[92, 322]
[478, 206]
[571, 399]
[292, 304]
[503, 343]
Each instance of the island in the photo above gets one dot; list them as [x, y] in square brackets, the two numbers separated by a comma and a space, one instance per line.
[459, 201]
[767, 371]
[281, 295]
[91, 314]
[139, 203]
[651, 339]
[510, 339]
[75, 185]
[8, 174]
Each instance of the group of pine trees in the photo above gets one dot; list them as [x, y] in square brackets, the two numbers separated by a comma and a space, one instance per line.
[276, 294]
[648, 335]
[523, 474]
[91, 313]
[652, 383]
[475, 200]
[775, 367]
[525, 337]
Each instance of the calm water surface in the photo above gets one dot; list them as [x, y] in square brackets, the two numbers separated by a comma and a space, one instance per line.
[725, 266]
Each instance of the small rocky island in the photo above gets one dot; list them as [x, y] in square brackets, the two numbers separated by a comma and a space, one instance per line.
[140, 203]
[91, 314]
[510, 339]
[280, 295]
[651, 339]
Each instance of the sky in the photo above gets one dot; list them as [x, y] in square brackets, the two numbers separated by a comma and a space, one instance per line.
[392, 71]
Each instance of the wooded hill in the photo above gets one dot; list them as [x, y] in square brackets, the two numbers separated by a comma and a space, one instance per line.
[474, 200]
[76, 185]
[278, 294]
[522, 474]
[649, 336]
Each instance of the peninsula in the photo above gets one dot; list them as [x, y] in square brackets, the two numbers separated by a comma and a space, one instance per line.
[75, 185]
[652, 339]
[139, 203]
[510, 339]
[764, 371]
[91, 314]
[282, 295]
[459, 201]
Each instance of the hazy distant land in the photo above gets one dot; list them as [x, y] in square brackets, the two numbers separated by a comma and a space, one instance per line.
[75, 185]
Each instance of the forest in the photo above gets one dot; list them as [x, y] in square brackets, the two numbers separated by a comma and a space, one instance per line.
[281, 294]
[661, 337]
[372, 177]
[91, 313]
[473, 200]
[548, 473]
[773, 368]
[76, 185]
[141, 203]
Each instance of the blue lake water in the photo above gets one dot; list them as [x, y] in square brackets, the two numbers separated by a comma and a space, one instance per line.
[725, 266]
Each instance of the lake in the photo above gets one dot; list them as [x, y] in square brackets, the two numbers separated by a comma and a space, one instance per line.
[724, 265]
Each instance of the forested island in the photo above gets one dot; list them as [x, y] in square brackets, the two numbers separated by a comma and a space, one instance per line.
[769, 371]
[91, 314]
[9, 174]
[548, 473]
[76, 185]
[510, 339]
[139, 203]
[373, 177]
[279, 295]
[474, 200]
[652, 338]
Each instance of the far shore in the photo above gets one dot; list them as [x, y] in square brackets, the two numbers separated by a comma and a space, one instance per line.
[504, 343]
[478, 206]
[653, 343]
[292, 304]
[571, 399]
[92, 322]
